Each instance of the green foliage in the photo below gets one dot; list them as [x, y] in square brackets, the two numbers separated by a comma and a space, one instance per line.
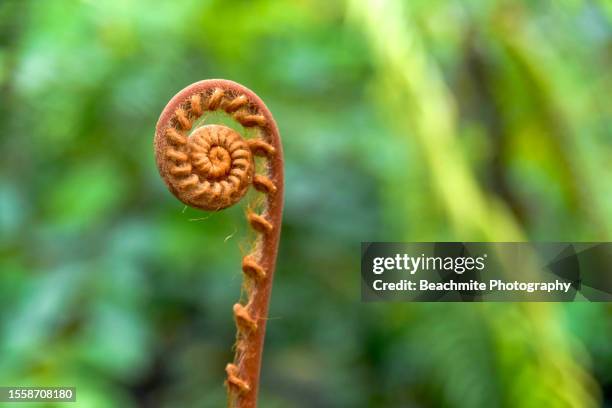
[420, 120]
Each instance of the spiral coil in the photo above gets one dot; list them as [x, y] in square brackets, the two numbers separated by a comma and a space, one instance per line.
[212, 166]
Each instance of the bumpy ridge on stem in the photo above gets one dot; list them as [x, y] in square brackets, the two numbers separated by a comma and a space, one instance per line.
[211, 168]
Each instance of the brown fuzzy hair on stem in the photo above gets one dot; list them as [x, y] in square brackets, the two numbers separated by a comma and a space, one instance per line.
[211, 167]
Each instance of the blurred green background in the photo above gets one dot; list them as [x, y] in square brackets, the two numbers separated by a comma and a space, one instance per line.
[401, 121]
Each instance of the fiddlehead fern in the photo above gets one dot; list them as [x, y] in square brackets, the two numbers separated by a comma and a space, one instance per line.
[211, 167]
